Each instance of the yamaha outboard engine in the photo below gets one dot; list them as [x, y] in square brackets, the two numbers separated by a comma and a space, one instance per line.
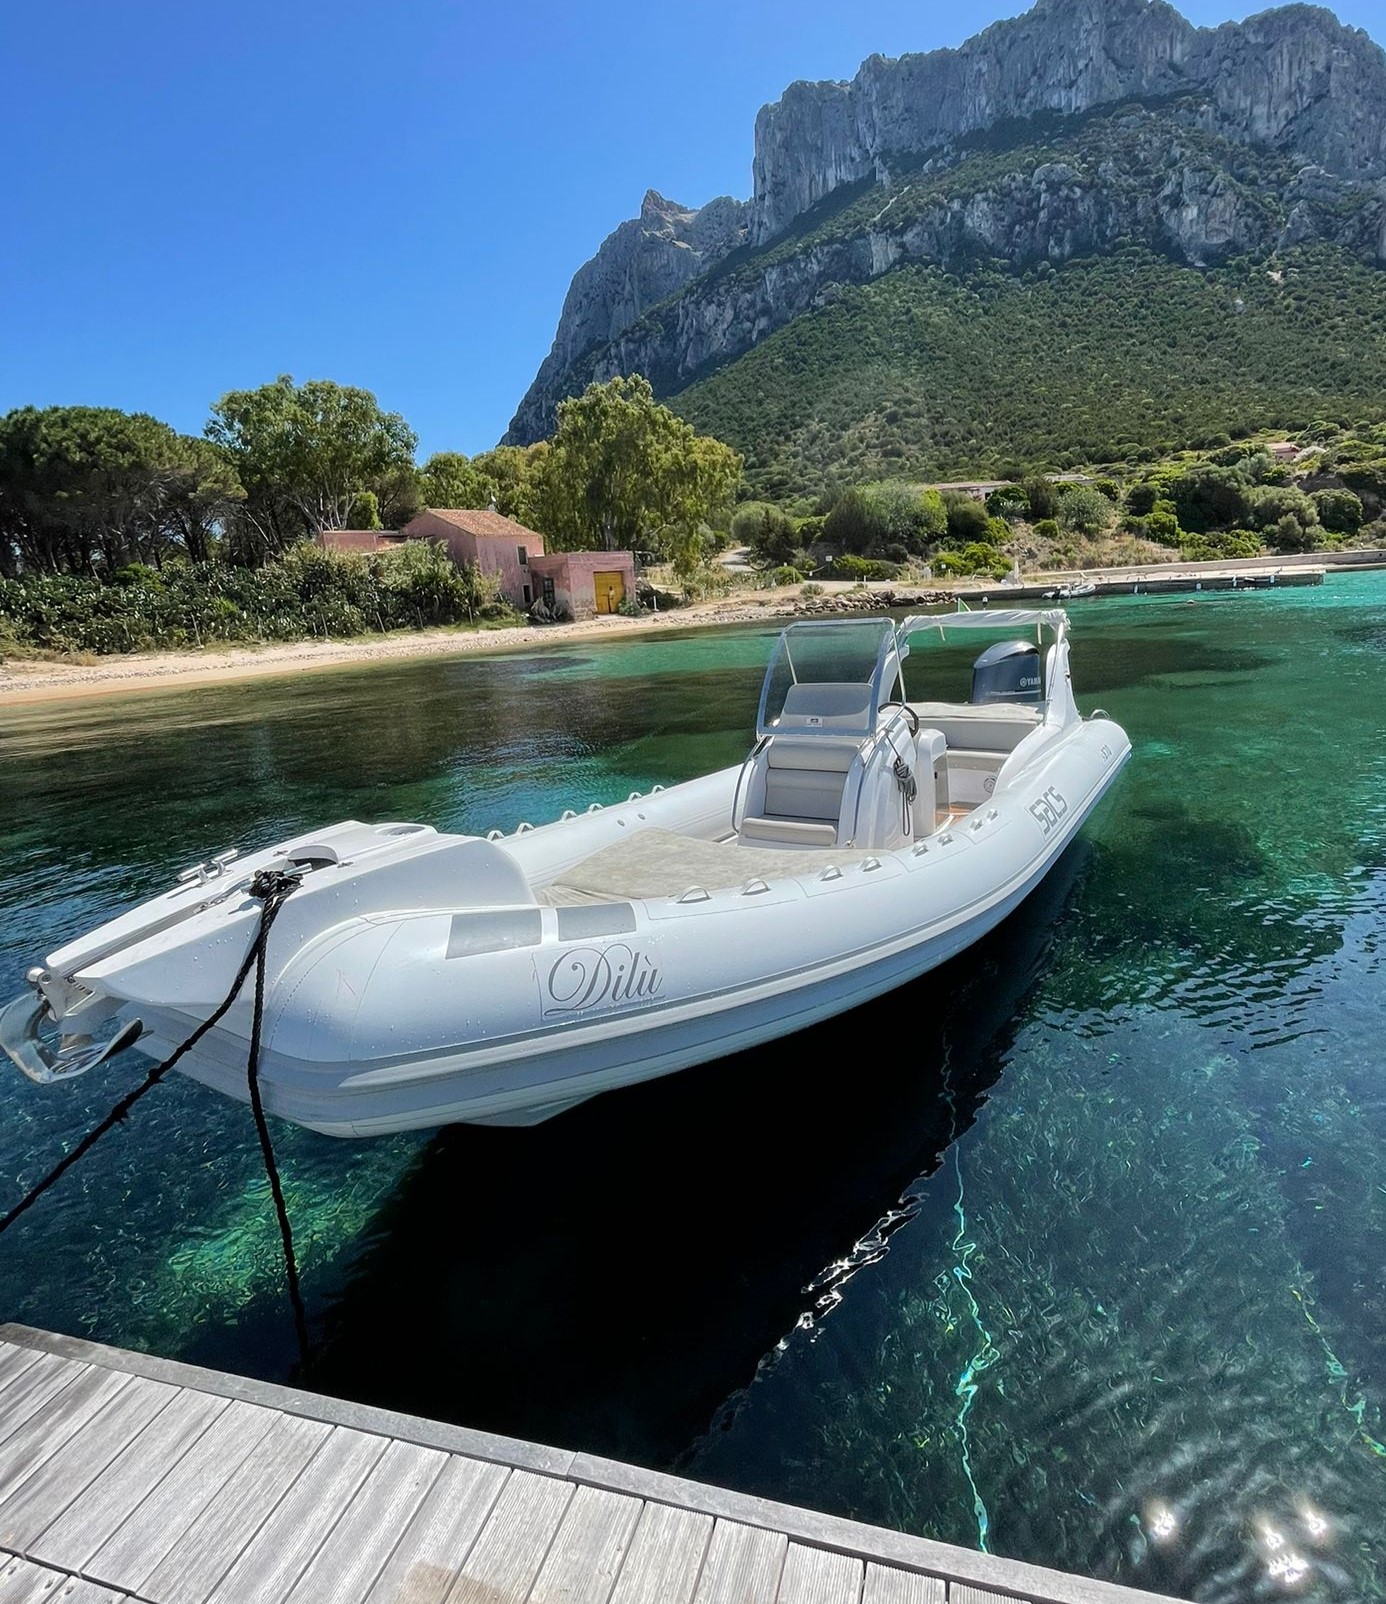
[1007, 672]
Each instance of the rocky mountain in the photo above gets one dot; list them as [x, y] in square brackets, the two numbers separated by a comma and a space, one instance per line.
[1068, 132]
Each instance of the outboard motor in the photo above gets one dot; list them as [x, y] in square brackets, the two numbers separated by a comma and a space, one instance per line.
[1007, 672]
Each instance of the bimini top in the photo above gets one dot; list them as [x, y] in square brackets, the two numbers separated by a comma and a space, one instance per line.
[829, 678]
[1007, 618]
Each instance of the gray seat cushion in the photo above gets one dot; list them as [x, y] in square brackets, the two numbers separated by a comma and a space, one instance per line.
[989, 727]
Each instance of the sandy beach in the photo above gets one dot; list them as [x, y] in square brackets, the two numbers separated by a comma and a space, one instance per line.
[25, 681]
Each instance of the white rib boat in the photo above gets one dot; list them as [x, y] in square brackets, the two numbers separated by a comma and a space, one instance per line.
[416, 978]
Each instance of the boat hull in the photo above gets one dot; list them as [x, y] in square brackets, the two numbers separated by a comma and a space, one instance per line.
[837, 943]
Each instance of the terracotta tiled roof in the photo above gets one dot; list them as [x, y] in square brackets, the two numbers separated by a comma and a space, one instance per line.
[482, 521]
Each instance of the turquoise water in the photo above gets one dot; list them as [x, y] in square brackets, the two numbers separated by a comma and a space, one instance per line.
[1075, 1250]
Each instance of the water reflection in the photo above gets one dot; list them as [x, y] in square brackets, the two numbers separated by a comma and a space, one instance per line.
[605, 1278]
[1075, 1249]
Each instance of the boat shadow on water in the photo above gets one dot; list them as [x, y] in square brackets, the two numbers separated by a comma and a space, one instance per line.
[611, 1279]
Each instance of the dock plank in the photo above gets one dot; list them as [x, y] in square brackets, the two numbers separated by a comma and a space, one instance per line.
[356, 1549]
[817, 1576]
[29, 1392]
[14, 1361]
[48, 1428]
[886, 1585]
[965, 1593]
[587, 1549]
[112, 1496]
[743, 1565]
[208, 1548]
[278, 1554]
[138, 1545]
[51, 1489]
[23, 1582]
[427, 1560]
[665, 1557]
[511, 1547]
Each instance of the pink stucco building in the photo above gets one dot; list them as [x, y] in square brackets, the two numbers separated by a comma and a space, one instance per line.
[363, 542]
[583, 584]
[497, 545]
[577, 584]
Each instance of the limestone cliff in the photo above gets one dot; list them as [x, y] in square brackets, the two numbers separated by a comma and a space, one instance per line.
[1228, 140]
[643, 262]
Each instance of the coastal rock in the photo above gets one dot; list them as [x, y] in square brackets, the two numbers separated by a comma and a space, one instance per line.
[1292, 83]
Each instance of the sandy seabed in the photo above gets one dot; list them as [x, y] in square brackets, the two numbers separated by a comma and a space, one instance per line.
[32, 681]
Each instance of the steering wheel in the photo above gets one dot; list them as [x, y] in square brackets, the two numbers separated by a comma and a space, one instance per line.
[911, 717]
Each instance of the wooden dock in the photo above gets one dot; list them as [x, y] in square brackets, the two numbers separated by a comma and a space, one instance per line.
[125, 1477]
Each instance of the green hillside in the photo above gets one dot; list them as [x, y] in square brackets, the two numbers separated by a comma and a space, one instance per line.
[927, 374]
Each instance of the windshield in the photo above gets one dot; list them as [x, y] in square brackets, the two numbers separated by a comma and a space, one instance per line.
[827, 679]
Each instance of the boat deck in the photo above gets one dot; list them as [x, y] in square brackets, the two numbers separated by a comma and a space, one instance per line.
[125, 1477]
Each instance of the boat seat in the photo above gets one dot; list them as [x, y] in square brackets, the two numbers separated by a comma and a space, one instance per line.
[804, 782]
[983, 727]
[789, 832]
[827, 705]
[655, 863]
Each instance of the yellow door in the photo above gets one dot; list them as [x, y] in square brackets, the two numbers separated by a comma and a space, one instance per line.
[610, 590]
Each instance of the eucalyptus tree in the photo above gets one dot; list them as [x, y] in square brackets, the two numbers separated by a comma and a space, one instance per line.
[307, 455]
[515, 473]
[451, 479]
[625, 472]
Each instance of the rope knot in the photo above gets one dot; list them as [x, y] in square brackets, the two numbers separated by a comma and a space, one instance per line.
[273, 885]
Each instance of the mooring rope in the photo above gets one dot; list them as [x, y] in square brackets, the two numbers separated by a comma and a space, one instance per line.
[909, 790]
[283, 886]
[270, 888]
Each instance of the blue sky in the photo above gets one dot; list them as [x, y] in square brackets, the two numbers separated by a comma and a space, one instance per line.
[387, 194]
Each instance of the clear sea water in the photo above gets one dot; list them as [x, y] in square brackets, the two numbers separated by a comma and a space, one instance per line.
[1075, 1249]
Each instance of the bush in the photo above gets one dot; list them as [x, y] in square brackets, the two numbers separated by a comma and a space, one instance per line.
[1289, 534]
[311, 591]
[811, 589]
[977, 559]
[771, 534]
[856, 524]
[1339, 510]
[889, 516]
[908, 515]
[1164, 527]
[1368, 481]
[708, 579]
[1086, 511]
[1047, 529]
[1236, 543]
[860, 569]
[1270, 505]
[967, 519]
[1211, 498]
[1042, 497]
[784, 575]
[1009, 502]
